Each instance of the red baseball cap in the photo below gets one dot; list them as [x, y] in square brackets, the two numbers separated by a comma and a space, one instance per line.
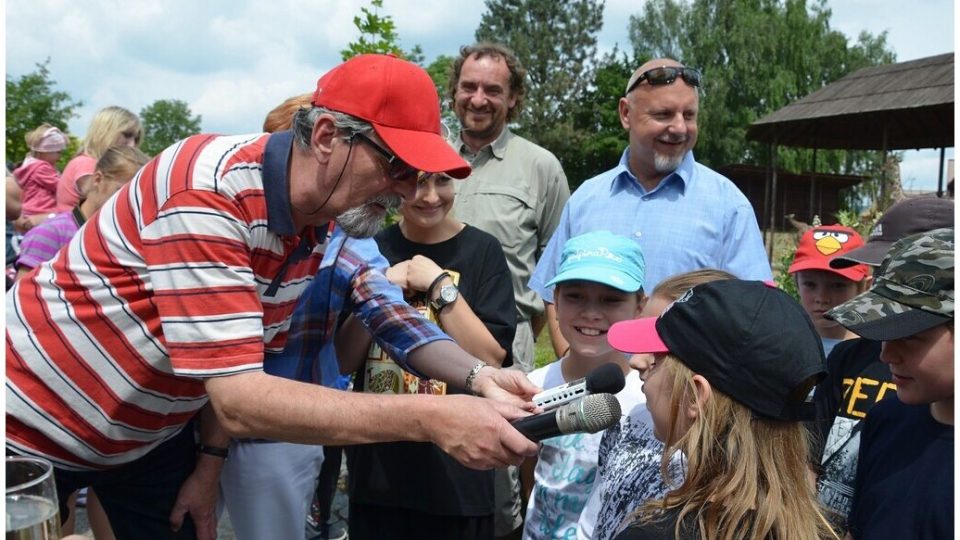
[820, 244]
[400, 100]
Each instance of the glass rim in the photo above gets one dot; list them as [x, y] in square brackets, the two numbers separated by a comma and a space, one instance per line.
[43, 463]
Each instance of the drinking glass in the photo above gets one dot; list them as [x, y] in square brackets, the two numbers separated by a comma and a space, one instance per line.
[32, 510]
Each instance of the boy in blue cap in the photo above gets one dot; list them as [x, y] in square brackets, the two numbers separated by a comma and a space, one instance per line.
[600, 282]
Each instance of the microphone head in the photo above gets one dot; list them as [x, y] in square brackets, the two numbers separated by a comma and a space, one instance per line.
[589, 414]
[606, 379]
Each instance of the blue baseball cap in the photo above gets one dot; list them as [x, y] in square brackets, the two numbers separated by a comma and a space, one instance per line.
[602, 257]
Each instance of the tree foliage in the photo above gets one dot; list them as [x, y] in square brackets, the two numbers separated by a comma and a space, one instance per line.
[597, 117]
[556, 41]
[31, 101]
[165, 122]
[378, 34]
[440, 70]
[756, 56]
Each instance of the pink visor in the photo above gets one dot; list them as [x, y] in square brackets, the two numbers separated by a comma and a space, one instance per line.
[636, 336]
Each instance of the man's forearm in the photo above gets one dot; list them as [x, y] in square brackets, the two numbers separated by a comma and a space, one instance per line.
[443, 360]
[264, 406]
[472, 430]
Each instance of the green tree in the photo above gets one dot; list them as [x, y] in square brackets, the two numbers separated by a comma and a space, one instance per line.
[440, 70]
[556, 41]
[378, 34]
[596, 119]
[31, 101]
[165, 122]
[756, 56]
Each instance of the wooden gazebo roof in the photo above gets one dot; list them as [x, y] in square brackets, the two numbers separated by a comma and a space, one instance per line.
[900, 106]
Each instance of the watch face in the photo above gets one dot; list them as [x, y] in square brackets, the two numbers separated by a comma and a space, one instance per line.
[448, 294]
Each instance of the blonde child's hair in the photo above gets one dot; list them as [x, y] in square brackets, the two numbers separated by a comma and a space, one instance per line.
[745, 477]
[106, 126]
[674, 286]
[121, 162]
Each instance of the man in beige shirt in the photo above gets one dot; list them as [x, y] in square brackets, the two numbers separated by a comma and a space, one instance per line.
[517, 189]
[516, 192]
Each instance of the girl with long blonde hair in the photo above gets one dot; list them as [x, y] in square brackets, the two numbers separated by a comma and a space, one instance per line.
[110, 126]
[726, 371]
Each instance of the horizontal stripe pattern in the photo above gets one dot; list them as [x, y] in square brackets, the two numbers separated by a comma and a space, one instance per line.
[108, 343]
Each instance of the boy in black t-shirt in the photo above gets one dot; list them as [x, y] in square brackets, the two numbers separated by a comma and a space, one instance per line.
[904, 480]
[857, 379]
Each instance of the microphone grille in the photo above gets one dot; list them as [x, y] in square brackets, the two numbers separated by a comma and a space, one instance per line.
[599, 411]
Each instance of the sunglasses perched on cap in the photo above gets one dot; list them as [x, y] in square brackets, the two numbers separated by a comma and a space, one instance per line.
[660, 76]
[397, 169]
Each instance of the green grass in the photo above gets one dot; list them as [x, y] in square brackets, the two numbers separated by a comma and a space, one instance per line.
[543, 350]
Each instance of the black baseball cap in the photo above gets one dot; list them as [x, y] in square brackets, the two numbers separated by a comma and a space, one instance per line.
[907, 217]
[752, 341]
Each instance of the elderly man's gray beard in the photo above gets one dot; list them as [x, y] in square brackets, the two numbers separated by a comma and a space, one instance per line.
[667, 164]
[365, 221]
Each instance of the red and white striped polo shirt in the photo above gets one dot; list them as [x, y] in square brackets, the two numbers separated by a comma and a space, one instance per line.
[108, 343]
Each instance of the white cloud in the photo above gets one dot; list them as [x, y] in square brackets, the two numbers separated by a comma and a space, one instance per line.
[232, 61]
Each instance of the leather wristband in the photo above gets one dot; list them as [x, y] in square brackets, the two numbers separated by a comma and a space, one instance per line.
[217, 451]
[436, 282]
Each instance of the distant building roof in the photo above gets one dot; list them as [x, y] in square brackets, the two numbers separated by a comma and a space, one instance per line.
[911, 102]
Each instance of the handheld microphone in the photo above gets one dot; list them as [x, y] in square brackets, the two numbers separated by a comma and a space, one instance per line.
[588, 414]
[606, 379]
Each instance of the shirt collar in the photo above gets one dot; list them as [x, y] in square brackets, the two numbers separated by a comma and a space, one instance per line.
[682, 175]
[276, 184]
[498, 148]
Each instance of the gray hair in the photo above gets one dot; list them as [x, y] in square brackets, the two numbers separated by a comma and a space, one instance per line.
[304, 119]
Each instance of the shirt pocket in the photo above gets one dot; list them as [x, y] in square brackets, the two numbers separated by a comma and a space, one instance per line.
[506, 212]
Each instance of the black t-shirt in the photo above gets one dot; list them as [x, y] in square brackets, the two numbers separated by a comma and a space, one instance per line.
[904, 483]
[420, 476]
[856, 381]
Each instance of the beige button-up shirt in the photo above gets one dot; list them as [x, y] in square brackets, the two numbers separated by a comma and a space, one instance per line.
[516, 193]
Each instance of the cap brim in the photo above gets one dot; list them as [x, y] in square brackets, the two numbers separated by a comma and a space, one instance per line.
[854, 272]
[871, 254]
[636, 336]
[423, 150]
[611, 278]
[875, 317]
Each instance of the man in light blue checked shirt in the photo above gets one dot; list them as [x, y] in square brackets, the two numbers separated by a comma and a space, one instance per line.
[684, 216]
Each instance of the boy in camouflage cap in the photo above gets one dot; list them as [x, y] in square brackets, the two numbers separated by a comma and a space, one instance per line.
[904, 482]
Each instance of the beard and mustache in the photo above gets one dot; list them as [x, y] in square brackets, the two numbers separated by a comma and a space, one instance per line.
[366, 220]
[667, 163]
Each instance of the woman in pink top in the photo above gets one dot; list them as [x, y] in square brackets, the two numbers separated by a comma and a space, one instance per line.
[111, 126]
[38, 176]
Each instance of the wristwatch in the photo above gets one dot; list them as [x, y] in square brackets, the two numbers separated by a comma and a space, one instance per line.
[448, 295]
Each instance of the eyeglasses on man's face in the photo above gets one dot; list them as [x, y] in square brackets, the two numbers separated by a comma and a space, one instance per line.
[397, 169]
[660, 76]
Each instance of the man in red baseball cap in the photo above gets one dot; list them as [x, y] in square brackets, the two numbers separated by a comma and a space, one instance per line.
[171, 295]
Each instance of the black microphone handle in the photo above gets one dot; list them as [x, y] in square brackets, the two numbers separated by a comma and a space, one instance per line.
[537, 427]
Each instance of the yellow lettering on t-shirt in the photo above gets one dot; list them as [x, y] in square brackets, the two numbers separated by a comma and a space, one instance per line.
[847, 384]
[858, 394]
[883, 389]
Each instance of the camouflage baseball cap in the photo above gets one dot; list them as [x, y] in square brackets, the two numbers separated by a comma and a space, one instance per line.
[912, 290]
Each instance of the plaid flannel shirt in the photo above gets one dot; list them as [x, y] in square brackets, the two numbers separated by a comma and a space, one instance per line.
[350, 280]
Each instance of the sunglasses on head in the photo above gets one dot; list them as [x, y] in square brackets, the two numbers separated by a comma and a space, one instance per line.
[666, 75]
[397, 169]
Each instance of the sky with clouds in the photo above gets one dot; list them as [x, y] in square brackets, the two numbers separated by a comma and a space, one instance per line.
[232, 61]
